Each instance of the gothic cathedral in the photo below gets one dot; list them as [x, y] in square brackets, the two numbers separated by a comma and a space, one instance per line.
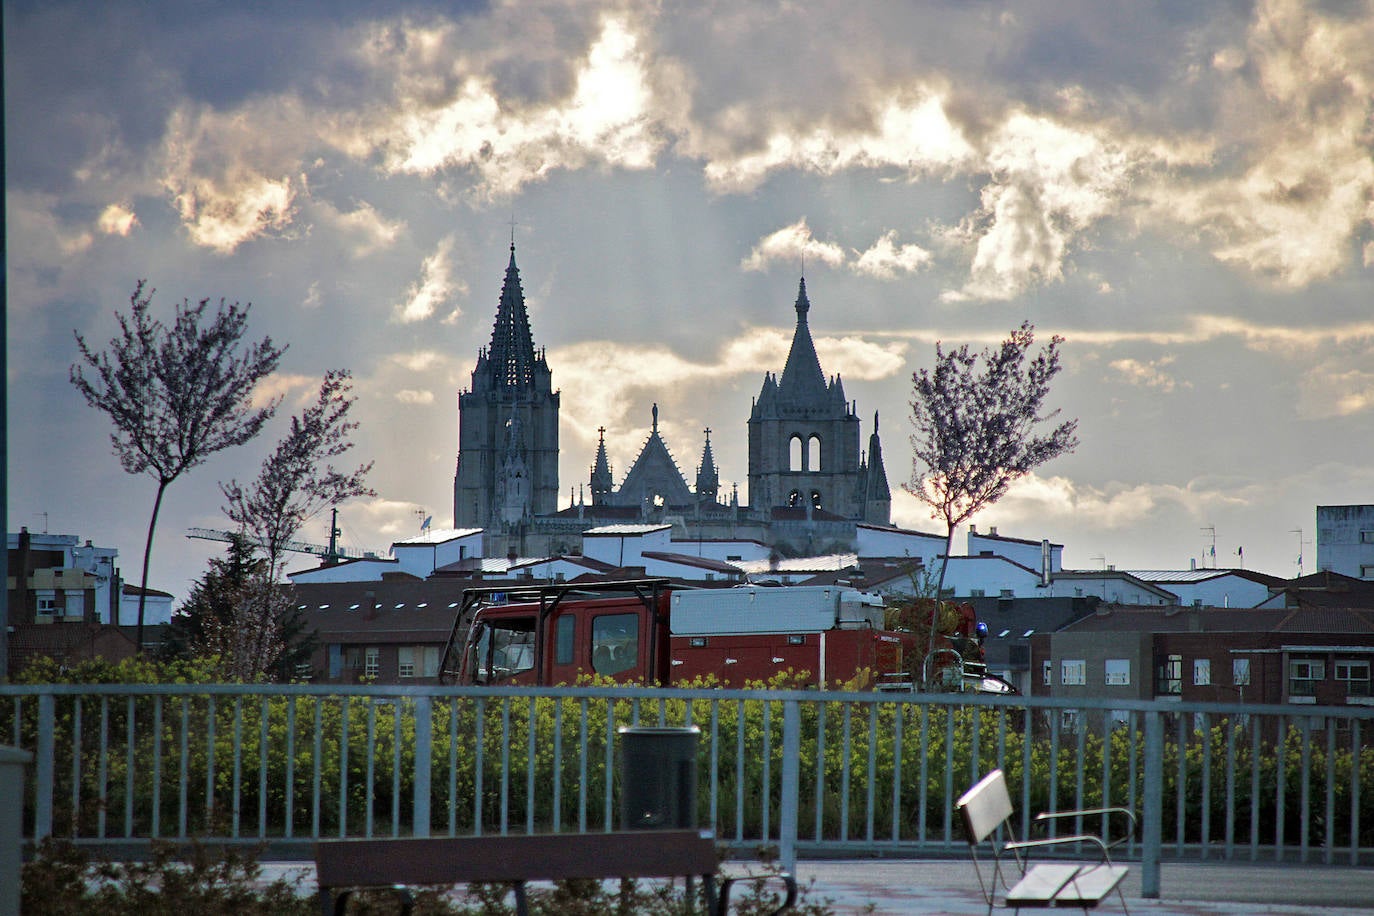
[809, 481]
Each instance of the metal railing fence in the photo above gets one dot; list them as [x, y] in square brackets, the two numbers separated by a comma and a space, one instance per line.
[808, 772]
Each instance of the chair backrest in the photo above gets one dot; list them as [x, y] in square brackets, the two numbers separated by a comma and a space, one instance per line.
[984, 807]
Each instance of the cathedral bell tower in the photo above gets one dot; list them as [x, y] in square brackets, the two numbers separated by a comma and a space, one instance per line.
[804, 435]
[507, 425]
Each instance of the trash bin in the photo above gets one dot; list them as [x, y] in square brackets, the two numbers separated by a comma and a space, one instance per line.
[658, 778]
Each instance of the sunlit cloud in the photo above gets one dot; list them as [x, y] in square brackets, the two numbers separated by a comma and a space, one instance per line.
[1306, 96]
[411, 396]
[1337, 387]
[116, 219]
[607, 119]
[1050, 182]
[370, 230]
[418, 360]
[909, 131]
[794, 244]
[291, 388]
[1147, 373]
[229, 174]
[434, 290]
[886, 260]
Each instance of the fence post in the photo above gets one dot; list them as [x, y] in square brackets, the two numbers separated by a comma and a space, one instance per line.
[43, 767]
[791, 784]
[12, 761]
[1153, 805]
[424, 724]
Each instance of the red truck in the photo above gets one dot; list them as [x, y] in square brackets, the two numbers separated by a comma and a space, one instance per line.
[646, 631]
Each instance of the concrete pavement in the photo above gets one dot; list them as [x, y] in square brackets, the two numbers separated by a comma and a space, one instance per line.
[928, 887]
[932, 887]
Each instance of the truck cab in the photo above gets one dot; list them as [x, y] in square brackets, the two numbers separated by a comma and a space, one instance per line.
[558, 633]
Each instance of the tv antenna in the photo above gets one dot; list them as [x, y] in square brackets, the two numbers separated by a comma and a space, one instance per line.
[1301, 544]
[1211, 532]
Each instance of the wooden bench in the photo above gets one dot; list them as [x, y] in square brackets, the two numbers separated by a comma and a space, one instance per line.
[343, 866]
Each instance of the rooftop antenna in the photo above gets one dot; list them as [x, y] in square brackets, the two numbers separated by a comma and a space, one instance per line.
[1211, 532]
[1301, 542]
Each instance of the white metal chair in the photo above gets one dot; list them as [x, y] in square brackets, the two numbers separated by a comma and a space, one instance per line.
[987, 807]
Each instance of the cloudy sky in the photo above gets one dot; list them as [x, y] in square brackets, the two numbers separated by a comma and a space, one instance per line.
[1184, 191]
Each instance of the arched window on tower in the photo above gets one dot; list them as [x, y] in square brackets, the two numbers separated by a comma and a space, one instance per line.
[815, 499]
[813, 453]
[795, 456]
[794, 499]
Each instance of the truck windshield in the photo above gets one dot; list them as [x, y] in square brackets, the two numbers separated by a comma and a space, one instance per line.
[504, 648]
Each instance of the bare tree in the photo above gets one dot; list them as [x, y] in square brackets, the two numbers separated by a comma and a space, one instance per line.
[295, 483]
[177, 394]
[976, 430]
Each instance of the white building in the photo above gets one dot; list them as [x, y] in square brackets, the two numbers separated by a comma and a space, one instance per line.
[1345, 540]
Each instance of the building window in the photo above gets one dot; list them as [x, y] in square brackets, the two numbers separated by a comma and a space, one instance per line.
[1202, 671]
[405, 661]
[47, 602]
[813, 453]
[430, 668]
[1355, 676]
[976, 593]
[1073, 672]
[76, 604]
[1119, 671]
[1303, 675]
[372, 662]
[1366, 571]
[794, 454]
[1068, 721]
[353, 658]
[1240, 672]
[1367, 537]
[1171, 676]
[1047, 673]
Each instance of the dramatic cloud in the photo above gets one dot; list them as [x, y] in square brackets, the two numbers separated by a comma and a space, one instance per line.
[606, 119]
[117, 219]
[794, 244]
[434, 290]
[887, 260]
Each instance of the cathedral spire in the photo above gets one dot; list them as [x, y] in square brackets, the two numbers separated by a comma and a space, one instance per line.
[601, 483]
[877, 495]
[802, 376]
[708, 478]
[511, 357]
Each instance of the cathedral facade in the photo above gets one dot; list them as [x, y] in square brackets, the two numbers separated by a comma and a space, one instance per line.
[810, 483]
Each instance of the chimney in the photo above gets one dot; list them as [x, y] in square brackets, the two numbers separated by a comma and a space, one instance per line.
[972, 529]
[1044, 561]
[992, 532]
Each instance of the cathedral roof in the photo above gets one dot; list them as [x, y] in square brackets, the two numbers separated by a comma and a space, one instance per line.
[655, 474]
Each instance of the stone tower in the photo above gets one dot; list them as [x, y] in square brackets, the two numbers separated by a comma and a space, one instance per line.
[804, 436]
[507, 425]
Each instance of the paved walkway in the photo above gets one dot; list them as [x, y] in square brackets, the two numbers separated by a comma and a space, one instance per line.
[929, 887]
[888, 888]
